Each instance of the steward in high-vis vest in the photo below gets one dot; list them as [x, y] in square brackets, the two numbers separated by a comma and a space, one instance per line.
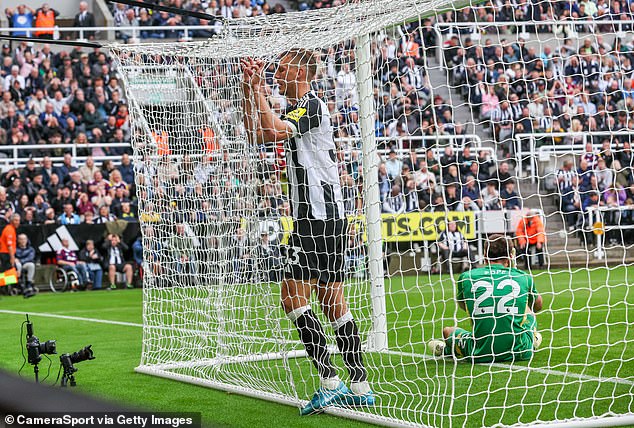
[45, 18]
[210, 142]
[162, 144]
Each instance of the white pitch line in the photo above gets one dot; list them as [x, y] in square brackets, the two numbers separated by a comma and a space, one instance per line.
[412, 355]
[131, 324]
[68, 317]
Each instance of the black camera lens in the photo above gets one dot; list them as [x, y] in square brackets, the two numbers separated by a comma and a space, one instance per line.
[82, 355]
[48, 347]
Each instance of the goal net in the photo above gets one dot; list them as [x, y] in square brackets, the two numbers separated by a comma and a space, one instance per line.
[479, 116]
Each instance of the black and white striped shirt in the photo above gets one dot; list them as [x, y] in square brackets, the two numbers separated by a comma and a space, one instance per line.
[311, 162]
[453, 240]
[566, 177]
[502, 117]
[394, 204]
[411, 201]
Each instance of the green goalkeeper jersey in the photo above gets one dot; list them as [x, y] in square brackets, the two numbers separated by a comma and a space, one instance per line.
[497, 299]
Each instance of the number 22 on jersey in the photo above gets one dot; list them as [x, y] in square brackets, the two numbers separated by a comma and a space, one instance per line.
[483, 305]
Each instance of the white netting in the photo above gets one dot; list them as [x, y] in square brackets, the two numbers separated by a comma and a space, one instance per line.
[215, 206]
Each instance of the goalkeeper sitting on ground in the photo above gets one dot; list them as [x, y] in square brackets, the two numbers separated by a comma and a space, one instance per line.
[501, 302]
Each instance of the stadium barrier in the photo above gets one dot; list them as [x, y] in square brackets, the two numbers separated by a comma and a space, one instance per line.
[79, 33]
[16, 161]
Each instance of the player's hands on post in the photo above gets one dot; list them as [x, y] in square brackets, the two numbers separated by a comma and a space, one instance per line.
[253, 70]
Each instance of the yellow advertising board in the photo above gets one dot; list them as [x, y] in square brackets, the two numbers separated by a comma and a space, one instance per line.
[425, 226]
[409, 227]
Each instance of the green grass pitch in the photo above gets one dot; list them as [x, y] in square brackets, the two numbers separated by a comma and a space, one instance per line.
[415, 317]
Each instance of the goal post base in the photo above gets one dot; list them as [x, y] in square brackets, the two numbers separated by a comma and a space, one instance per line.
[276, 398]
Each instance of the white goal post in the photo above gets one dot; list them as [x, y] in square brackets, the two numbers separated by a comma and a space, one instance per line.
[215, 216]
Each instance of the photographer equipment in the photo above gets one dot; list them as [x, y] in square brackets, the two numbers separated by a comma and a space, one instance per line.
[68, 360]
[35, 349]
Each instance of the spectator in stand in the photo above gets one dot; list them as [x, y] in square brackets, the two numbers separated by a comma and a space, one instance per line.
[93, 261]
[114, 250]
[411, 197]
[88, 169]
[570, 198]
[25, 263]
[84, 19]
[40, 207]
[129, 20]
[84, 205]
[452, 245]
[127, 213]
[67, 260]
[490, 102]
[395, 202]
[116, 182]
[69, 216]
[393, 165]
[453, 197]
[89, 217]
[502, 175]
[591, 199]
[471, 195]
[104, 215]
[127, 169]
[433, 165]
[624, 165]
[491, 196]
[45, 18]
[604, 176]
[565, 176]
[509, 197]
[465, 160]
[590, 156]
[66, 168]
[586, 175]
[447, 160]
[21, 17]
[50, 216]
[530, 234]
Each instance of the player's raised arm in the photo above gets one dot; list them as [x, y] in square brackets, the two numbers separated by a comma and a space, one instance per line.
[250, 116]
[273, 128]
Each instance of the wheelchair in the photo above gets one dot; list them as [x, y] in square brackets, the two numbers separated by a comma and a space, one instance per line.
[61, 280]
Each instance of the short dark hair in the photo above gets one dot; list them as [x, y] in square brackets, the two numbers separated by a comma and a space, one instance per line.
[498, 247]
[304, 58]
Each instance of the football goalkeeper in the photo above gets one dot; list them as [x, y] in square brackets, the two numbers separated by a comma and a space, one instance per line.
[315, 254]
[501, 302]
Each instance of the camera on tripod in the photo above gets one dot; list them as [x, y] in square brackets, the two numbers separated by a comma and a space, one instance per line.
[68, 360]
[35, 349]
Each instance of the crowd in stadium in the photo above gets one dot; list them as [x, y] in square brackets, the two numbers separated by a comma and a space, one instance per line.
[52, 97]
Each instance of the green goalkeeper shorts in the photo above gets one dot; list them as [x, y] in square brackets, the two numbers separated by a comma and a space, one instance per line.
[463, 345]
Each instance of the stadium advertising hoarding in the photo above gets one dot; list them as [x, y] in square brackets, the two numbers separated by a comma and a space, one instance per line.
[407, 227]
[424, 226]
